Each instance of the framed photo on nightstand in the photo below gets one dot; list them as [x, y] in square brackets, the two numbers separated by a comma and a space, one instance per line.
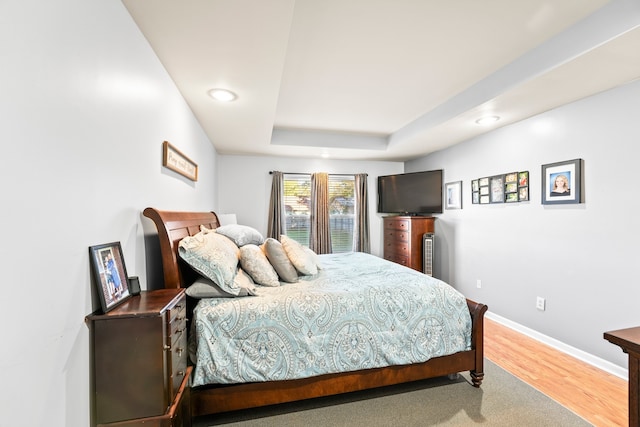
[109, 274]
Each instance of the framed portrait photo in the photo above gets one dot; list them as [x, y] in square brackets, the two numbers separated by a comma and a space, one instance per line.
[109, 274]
[453, 195]
[562, 182]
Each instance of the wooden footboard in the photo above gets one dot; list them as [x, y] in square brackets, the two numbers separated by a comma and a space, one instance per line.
[173, 226]
[210, 400]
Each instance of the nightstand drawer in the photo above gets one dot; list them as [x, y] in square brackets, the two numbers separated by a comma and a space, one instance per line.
[177, 315]
[178, 361]
[177, 327]
[177, 337]
[176, 330]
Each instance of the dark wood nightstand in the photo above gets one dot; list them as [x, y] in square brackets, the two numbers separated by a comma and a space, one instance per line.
[629, 341]
[139, 362]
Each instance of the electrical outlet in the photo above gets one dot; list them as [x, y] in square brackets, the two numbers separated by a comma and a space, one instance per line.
[479, 283]
[540, 303]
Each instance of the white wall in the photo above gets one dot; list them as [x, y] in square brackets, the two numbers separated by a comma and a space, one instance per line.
[84, 108]
[581, 258]
[245, 186]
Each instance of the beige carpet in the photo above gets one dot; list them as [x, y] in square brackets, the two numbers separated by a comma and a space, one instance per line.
[503, 400]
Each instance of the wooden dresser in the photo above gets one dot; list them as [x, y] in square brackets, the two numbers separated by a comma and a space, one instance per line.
[403, 239]
[139, 362]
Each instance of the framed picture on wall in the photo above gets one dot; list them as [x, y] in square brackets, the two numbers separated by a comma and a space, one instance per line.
[109, 274]
[523, 179]
[453, 195]
[562, 182]
[173, 159]
[475, 191]
[496, 188]
[523, 186]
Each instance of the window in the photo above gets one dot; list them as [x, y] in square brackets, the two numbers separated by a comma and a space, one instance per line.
[297, 194]
[342, 205]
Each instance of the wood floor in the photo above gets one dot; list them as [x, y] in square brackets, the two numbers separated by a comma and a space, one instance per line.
[595, 395]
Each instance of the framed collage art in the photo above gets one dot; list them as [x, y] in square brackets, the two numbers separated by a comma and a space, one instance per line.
[506, 188]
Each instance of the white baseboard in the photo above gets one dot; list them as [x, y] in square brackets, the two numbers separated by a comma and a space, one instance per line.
[598, 362]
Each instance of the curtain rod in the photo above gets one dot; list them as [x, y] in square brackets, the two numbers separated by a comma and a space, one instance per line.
[309, 173]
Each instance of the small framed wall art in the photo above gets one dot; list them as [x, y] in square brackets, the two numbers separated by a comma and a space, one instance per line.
[475, 191]
[523, 186]
[562, 182]
[453, 195]
[178, 162]
[480, 190]
[511, 187]
[496, 184]
[110, 274]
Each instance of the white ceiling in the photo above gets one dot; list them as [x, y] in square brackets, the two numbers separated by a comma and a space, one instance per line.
[383, 79]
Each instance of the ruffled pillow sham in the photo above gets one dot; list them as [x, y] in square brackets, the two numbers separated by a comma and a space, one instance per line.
[214, 256]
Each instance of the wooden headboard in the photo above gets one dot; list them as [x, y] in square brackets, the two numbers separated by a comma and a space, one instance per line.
[172, 227]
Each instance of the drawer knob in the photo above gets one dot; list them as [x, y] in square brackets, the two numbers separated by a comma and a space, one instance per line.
[167, 347]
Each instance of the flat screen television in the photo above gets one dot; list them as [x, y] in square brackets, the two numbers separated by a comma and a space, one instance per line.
[417, 193]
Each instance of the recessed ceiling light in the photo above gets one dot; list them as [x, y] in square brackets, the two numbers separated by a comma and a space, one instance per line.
[487, 120]
[223, 95]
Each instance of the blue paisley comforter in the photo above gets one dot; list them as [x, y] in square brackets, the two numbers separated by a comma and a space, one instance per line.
[358, 312]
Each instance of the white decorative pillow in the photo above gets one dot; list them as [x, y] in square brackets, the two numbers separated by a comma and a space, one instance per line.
[241, 234]
[214, 256]
[301, 259]
[279, 260]
[206, 288]
[256, 264]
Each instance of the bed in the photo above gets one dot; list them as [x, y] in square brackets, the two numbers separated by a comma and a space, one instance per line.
[277, 387]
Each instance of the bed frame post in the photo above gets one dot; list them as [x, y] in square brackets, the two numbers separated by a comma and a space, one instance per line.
[477, 312]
